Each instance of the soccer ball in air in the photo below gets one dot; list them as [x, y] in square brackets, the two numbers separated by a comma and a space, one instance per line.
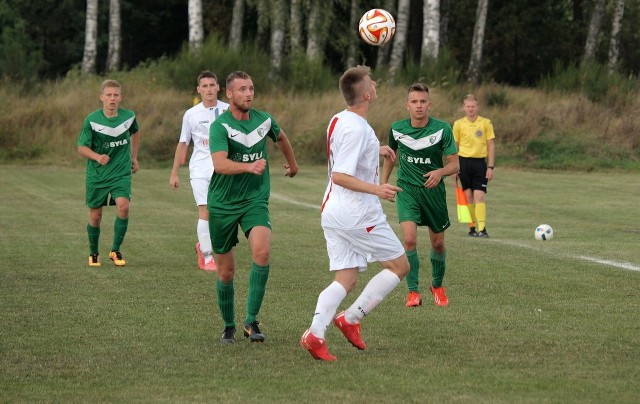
[377, 27]
[543, 232]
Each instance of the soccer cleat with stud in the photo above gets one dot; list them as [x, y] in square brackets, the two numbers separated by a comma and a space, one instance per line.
[94, 260]
[317, 347]
[482, 234]
[252, 331]
[473, 233]
[414, 299]
[116, 257]
[350, 331]
[228, 336]
[200, 256]
[439, 297]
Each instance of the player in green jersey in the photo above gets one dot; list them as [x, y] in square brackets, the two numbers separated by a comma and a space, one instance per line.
[109, 140]
[239, 197]
[427, 153]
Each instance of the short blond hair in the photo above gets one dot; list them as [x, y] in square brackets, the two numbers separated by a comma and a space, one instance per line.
[470, 97]
[109, 83]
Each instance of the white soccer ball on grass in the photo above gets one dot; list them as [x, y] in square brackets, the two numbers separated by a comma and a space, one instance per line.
[543, 232]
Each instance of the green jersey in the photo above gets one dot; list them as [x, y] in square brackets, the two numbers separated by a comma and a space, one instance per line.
[110, 136]
[245, 142]
[420, 150]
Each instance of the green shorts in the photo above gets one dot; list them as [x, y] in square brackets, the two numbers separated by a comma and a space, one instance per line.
[423, 206]
[105, 196]
[223, 223]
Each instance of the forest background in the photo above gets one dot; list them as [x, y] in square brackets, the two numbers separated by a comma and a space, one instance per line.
[559, 79]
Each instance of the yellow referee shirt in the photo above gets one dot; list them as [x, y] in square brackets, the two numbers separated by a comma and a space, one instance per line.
[472, 137]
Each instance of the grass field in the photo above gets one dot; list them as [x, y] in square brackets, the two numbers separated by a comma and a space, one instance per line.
[528, 321]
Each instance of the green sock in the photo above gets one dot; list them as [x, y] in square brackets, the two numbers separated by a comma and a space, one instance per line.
[94, 237]
[257, 286]
[119, 230]
[438, 267]
[225, 303]
[413, 277]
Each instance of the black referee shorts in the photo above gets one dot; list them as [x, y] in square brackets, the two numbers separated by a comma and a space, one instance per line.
[473, 173]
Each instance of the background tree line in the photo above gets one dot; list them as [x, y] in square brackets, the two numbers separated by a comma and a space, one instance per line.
[514, 42]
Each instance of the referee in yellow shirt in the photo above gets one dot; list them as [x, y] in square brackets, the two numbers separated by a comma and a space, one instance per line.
[476, 149]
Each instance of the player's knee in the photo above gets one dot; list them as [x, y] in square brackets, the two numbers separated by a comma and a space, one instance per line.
[410, 243]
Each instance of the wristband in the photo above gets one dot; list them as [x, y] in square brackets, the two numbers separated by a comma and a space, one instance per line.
[491, 167]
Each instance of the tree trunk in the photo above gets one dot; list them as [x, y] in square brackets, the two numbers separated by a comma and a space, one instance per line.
[385, 50]
[235, 32]
[90, 38]
[354, 18]
[430, 30]
[196, 29]
[473, 73]
[614, 43]
[400, 39]
[278, 27]
[263, 8]
[115, 36]
[592, 35]
[316, 29]
[295, 27]
[445, 8]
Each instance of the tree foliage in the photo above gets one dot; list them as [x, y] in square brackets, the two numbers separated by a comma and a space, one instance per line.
[524, 41]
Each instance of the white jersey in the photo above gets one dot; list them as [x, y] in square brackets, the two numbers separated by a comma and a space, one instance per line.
[353, 149]
[195, 126]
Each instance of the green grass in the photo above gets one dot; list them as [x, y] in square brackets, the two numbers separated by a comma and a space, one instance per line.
[528, 321]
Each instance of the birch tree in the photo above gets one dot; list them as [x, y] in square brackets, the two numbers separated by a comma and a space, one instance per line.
[316, 29]
[354, 18]
[430, 30]
[196, 28]
[400, 39]
[237, 18]
[295, 27]
[115, 36]
[262, 34]
[473, 72]
[614, 43]
[90, 38]
[385, 50]
[277, 36]
[592, 34]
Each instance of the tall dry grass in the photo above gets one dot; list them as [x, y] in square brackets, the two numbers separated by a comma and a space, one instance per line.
[42, 126]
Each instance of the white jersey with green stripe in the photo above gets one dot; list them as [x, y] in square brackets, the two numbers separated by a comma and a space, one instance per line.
[245, 142]
[110, 136]
[195, 127]
[420, 150]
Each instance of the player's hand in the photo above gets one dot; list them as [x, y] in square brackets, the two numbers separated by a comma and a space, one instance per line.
[174, 182]
[388, 153]
[387, 192]
[102, 159]
[290, 171]
[433, 178]
[257, 167]
[134, 166]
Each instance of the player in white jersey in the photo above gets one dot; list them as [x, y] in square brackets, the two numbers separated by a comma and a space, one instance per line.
[354, 224]
[195, 127]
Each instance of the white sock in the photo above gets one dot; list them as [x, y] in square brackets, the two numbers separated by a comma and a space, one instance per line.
[376, 290]
[328, 302]
[205, 240]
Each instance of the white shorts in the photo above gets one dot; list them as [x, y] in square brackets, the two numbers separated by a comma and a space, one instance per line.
[200, 188]
[356, 248]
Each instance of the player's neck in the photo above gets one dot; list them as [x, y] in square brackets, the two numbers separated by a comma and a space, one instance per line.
[209, 104]
[239, 114]
[110, 113]
[360, 109]
[419, 123]
[472, 118]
